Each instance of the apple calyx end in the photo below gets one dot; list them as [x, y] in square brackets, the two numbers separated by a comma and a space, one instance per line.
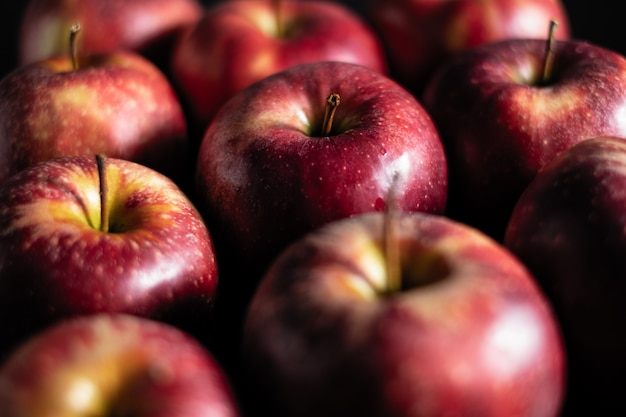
[332, 102]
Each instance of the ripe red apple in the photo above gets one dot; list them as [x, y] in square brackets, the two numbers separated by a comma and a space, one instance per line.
[569, 228]
[118, 104]
[149, 27]
[239, 42]
[420, 35]
[311, 144]
[460, 328]
[80, 237]
[506, 109]
[114, 365]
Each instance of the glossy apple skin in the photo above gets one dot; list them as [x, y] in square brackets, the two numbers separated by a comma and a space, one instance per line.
[569, 229]
[119, 105]
[500, 125]
[469, 333]
[149, 27]
[114, 364]
[420, 35]
[237, 43]
[156, 260]
[266, 175]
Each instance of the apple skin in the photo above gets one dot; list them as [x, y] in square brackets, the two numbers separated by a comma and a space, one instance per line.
[114, 364]
[237, 43]
[156, 260]
[569, 228]
[421, 35]
[500, 123]
[149, 27]
[469, 332]
[117, 104]
[265, 174]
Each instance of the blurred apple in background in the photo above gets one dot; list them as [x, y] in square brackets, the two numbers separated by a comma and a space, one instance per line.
[592, 21]
[114, 365]
[569, 228]
[147, 26]
[506, 109]
[461, 328]
[239, 42]
[118, 104]
[83, 235]
[272, 166]
[420, 35]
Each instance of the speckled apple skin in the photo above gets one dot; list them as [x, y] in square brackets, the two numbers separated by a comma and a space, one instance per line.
[119, 105]
[324, 337]
[237, 43]
[108, 26]
[157, 259]
[114, 365]
[569, 228]
[500, 124]
[266, 175]
[419, 35]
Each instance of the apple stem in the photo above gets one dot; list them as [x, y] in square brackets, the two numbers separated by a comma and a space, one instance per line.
[104, 190]
[332, 102]
[74, 29]
[549, 55]
[390, 241]
[278, 12]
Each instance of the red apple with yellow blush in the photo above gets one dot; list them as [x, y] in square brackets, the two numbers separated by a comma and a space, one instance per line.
[506, 109]
[404, 315]
[118, 104]
[114, 365]
[84, 235]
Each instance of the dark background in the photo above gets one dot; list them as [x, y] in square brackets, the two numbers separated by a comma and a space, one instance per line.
[595, 21]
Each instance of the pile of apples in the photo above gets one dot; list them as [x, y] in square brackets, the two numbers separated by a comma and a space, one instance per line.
[302, 208]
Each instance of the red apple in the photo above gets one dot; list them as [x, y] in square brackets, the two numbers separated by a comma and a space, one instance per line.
[147, 26]
[239, 42]
[114, 365]
[118, 104]
[420, 35]
[461, 329]
[77, 237]
[569, 228]
[271, 168]
[501, 119]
